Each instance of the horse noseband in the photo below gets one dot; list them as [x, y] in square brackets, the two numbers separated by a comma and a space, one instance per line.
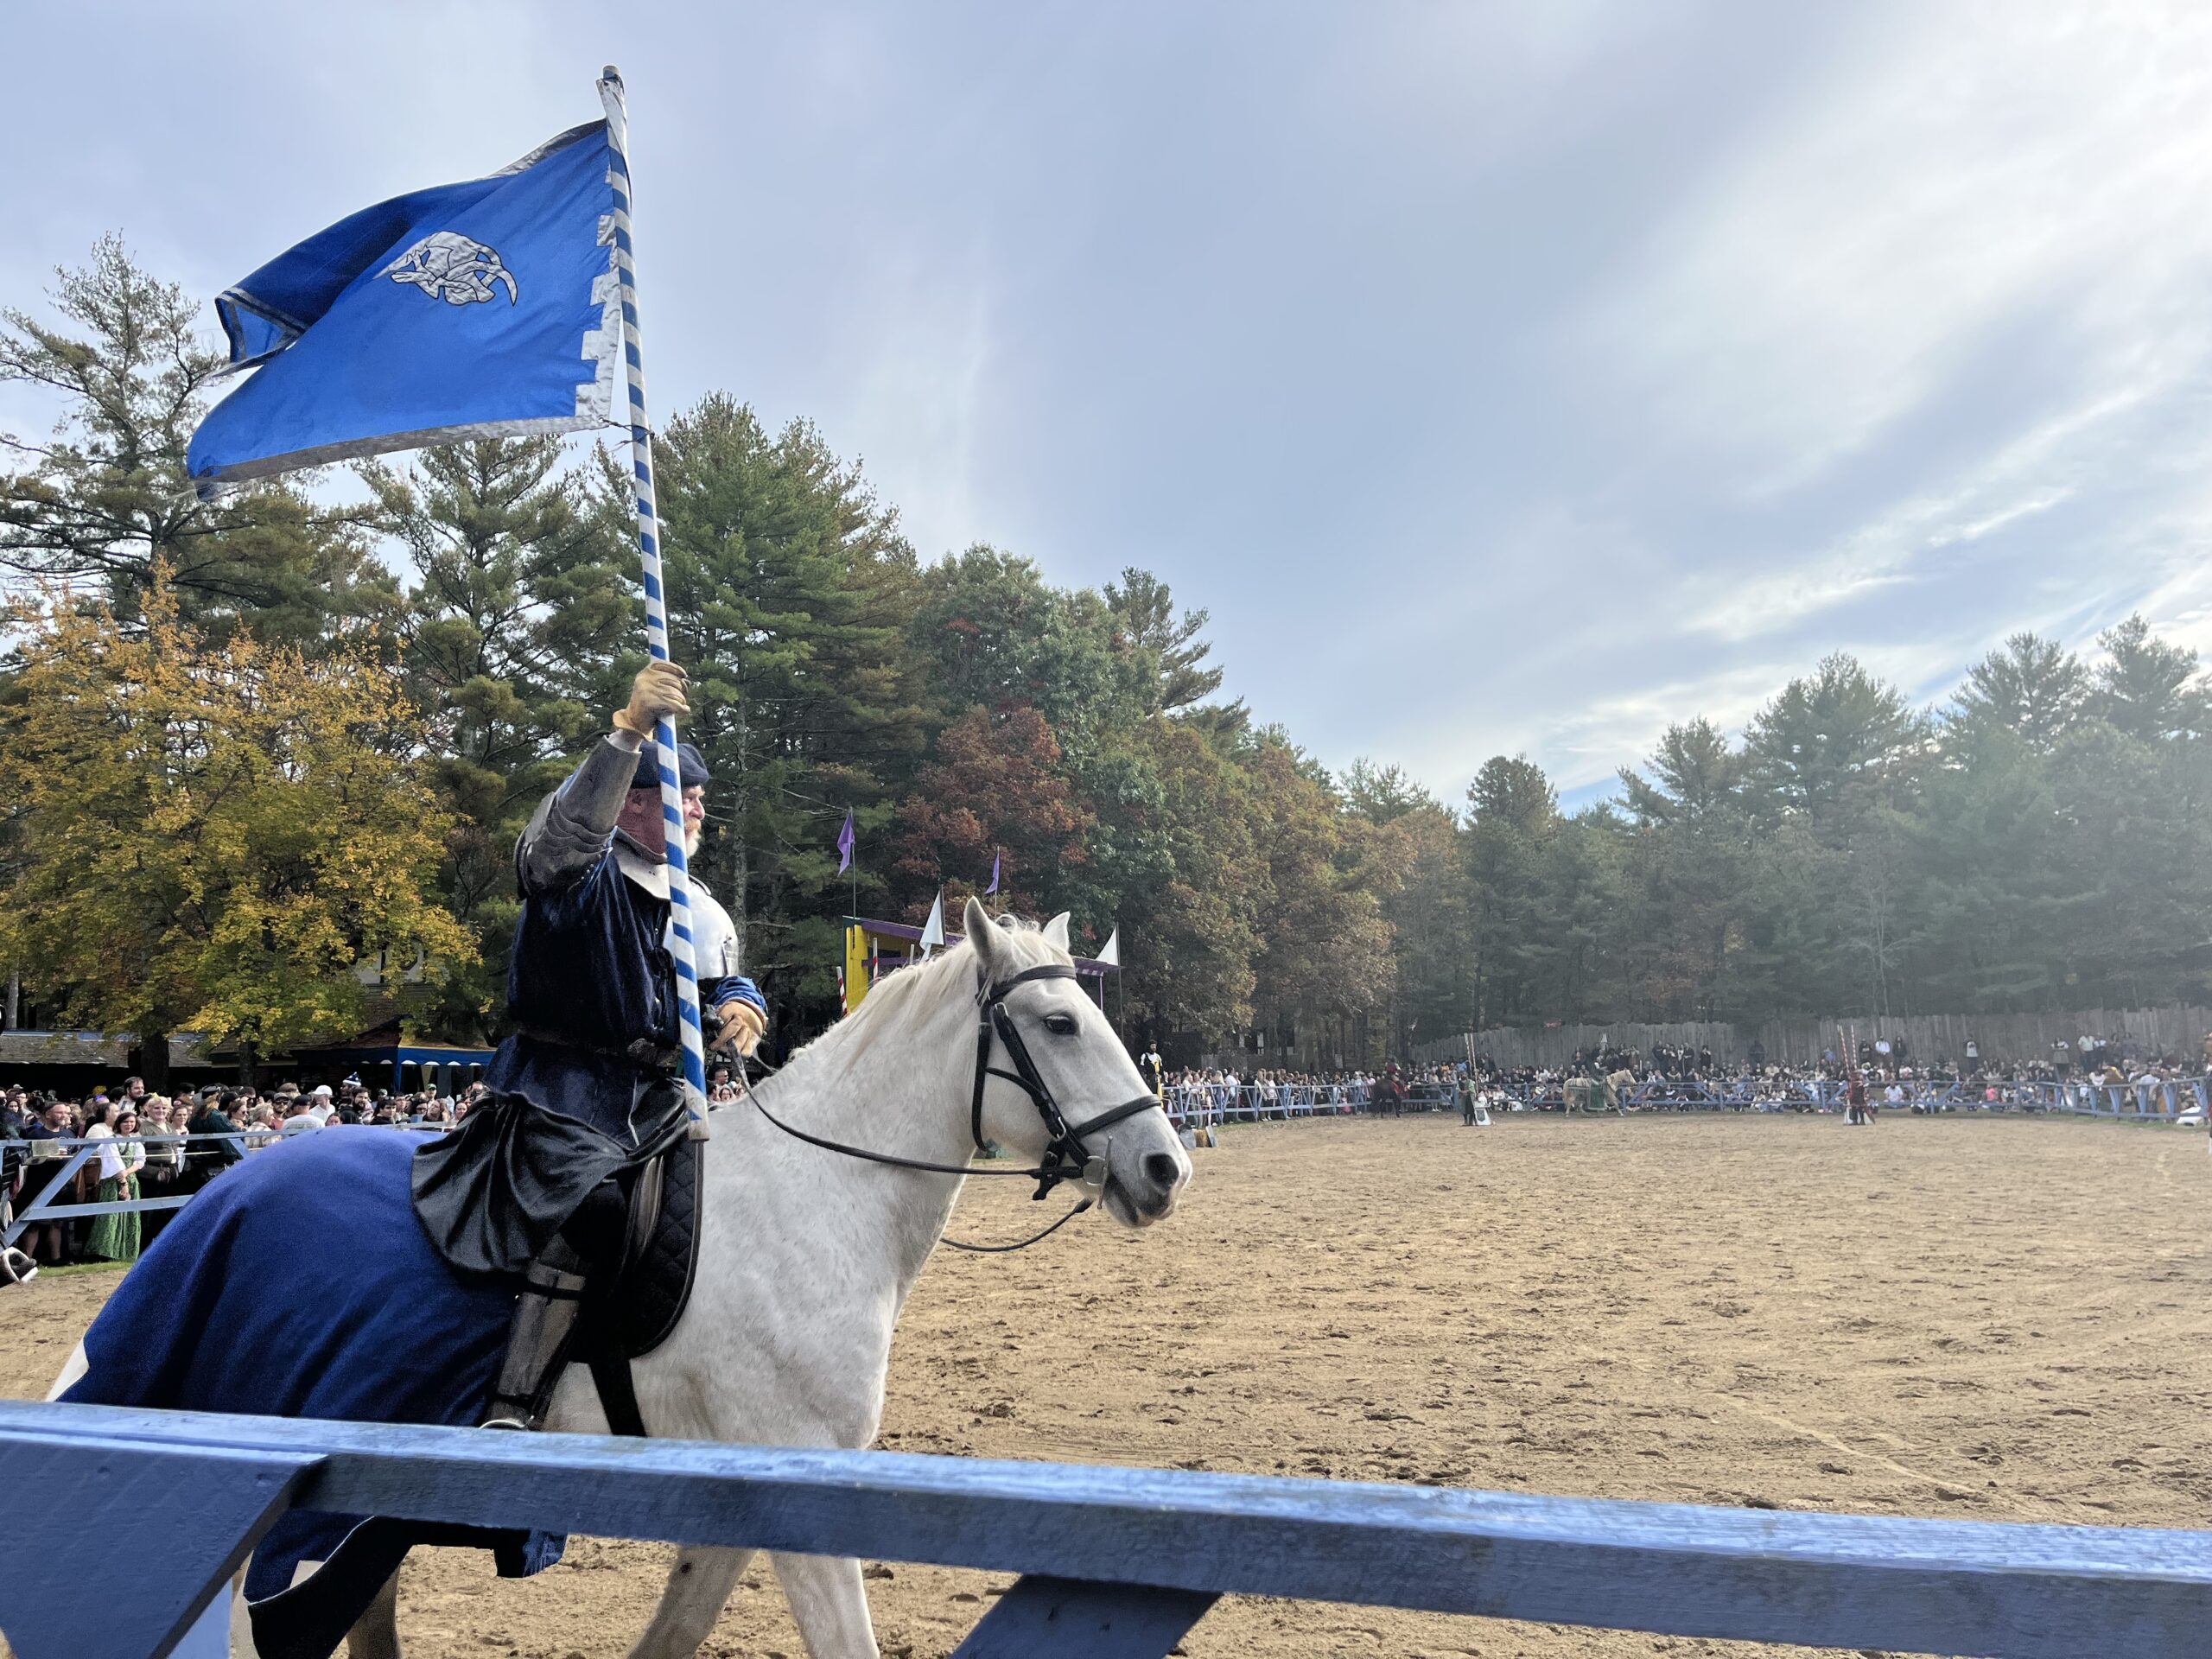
[1065, 1157]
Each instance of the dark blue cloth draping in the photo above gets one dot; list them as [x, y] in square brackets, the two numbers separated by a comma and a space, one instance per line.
[299, 1285]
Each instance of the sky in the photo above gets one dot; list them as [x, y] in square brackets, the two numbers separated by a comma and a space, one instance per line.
[1502, 378]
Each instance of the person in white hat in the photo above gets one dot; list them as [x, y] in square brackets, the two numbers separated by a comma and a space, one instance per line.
[300, 1117]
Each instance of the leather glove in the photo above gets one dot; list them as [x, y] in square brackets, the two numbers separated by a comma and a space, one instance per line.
[657, 691]
[743, 1025]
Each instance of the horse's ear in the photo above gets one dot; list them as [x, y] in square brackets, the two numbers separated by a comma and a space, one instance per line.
[975, 923]
[1056, 931]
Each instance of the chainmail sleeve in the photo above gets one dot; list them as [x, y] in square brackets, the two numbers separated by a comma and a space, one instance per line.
[573, 827]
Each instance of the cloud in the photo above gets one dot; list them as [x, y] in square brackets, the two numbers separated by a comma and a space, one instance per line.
[2031, 473]
[1957, 167]
[1500, 380]
[1605, 733]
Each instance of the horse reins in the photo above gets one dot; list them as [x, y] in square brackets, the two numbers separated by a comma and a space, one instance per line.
[1064, 1158]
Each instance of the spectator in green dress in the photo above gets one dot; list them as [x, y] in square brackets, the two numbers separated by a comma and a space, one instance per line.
[115, 1237]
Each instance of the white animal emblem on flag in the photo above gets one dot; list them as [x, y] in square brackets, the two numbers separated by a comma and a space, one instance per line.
[447, 265]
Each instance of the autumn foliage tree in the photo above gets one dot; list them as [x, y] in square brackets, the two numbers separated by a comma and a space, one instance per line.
[210, 834]
[521, 600]
[994, 790]
[104, 500]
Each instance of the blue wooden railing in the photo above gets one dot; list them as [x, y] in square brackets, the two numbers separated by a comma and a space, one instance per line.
[1115, 1562]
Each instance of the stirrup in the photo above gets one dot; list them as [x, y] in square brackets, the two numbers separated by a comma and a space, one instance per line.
[515, 1416]
[17, 1267]
[540, 1340]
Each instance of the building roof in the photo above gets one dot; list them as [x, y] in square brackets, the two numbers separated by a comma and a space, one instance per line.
[111, 1051]
[99, 1048]
[395, 1054]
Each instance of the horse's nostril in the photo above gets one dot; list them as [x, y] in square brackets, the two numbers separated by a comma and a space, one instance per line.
[1160, 1168]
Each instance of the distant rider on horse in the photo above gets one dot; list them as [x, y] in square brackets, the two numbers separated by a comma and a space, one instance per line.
[588, 1088]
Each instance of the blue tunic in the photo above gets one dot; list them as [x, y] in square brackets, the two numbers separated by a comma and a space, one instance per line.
[591, 968]
[586, 1086]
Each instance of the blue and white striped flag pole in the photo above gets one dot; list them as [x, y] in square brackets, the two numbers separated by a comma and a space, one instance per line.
[641, 471]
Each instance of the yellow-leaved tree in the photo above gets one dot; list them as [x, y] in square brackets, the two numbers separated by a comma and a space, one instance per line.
[208, 835]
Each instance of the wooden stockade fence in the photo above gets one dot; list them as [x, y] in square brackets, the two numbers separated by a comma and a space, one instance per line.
[1113, 1563]
[2013, 1039]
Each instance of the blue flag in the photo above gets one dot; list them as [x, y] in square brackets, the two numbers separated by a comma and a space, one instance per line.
[994, 887]
[481, 309]
[846, 842]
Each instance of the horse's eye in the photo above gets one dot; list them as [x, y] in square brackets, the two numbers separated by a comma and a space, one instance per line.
[1060, 1025]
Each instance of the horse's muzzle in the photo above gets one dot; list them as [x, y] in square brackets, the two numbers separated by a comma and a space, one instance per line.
[1149, 1194]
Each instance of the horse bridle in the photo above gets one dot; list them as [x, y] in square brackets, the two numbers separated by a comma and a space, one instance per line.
[1064, 1155]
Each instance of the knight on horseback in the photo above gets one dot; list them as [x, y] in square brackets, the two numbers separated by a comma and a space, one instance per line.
[587, 1092]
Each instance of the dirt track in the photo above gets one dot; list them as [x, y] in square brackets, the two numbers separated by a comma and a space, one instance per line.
[1998, 1319]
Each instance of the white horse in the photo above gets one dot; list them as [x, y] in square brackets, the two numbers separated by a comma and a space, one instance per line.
[807, 1256]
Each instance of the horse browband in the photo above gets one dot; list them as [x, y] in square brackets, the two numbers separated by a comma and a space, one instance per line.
[1064, 1155]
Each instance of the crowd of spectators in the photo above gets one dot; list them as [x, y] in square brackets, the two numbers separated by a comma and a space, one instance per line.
[142, 1149]
[2113, 1059]
[1668, 1076]
[1887, 1072]
[152, 1146]
[1392, 1088]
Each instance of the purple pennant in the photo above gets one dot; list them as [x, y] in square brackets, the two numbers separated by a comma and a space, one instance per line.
[846, 842]
[994, 887]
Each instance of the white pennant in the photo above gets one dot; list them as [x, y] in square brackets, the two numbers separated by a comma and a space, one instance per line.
[933, 930]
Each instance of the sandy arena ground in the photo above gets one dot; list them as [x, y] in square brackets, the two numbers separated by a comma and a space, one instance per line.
[2001, 1319]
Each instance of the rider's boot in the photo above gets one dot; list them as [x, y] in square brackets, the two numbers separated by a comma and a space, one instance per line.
[538, 1341]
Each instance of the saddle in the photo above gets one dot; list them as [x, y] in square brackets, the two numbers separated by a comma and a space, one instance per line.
[631, 1311]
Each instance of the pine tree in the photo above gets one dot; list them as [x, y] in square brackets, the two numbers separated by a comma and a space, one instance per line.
[790, 589]
[1688, 860]
[2033, 688]
[1512, 811]
[1193, 883]
[2144, 687]
[1828, 746]
[1145, 610]
[521, 602]
[107, 500]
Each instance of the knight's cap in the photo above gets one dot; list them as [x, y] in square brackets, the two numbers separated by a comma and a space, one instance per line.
[690, 765]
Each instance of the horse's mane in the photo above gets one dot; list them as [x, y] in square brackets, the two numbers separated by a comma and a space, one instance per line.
[913, 995]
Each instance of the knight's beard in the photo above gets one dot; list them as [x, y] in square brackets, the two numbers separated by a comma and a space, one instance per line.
[645, 825]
